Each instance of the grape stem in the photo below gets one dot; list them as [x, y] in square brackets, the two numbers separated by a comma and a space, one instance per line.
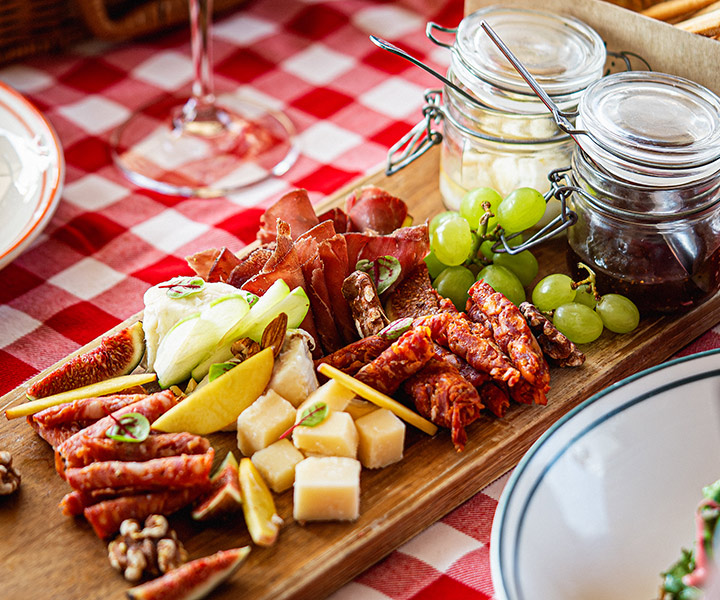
[589, 280]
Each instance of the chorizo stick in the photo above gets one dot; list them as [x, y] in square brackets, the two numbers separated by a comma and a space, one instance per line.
[92, 409]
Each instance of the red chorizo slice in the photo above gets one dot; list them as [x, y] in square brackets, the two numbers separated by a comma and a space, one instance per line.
[92, 409]
[106, 516]
[57, 435]
[353, 357]
[74, 503]
[405, 357]
[155, 446]
[186, 470]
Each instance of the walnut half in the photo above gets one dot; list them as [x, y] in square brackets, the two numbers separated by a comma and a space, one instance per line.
[152, 550]
[9, 477]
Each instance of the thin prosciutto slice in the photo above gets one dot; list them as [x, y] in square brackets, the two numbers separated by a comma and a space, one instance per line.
[213, 265]
[295, 209]
[371, 209]
[170, 472]
[106, 516]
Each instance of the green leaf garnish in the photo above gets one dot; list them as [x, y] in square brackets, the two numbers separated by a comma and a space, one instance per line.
[395, 329]
[250, 298]
[218, 369]
[180, 287]
[312, 416]
[131, 427]
[384, 271]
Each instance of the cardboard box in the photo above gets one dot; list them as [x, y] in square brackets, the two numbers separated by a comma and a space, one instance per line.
[667, 48]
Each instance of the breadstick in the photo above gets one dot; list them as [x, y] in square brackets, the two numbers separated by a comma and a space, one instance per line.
[708, 24]
[670, 9]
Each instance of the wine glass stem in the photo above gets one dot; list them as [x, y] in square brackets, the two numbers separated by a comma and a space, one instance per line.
[201, 106]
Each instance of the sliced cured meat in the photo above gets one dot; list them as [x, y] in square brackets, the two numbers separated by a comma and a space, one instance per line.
[92, 409]
[155, 446]
[415, 297]
[351, 358]
[495, 398]
[405, 357]
[250, 265]
[444, 396]
[73, 448]
[512, 334]
[106, 516]
[455, 332]
[338, 217]
[554, 344]
[74, 503]
[475, 377]
[57, 434]
[213, 265]
[371, 209]
[333, 254]
[409, 245]
[170, 472]
[526, 393]
[295, 209]
[361, 295]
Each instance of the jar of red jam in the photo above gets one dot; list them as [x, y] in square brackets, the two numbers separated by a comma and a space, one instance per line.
[646, 181]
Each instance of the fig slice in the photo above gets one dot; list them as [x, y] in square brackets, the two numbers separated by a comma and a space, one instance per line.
[224, 497]
[117, 354]
[193, 580]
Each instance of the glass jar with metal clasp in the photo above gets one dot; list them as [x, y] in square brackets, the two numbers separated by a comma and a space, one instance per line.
[643, 190]
[502, 136]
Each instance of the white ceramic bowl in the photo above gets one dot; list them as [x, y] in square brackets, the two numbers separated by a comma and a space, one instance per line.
[603, 502]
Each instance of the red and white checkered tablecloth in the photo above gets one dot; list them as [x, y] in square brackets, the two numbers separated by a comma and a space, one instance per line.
[109, 240]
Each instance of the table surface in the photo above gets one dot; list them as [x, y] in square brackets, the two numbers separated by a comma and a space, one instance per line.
[109, 240]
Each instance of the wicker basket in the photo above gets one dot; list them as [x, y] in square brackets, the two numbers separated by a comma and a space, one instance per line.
[29, 27]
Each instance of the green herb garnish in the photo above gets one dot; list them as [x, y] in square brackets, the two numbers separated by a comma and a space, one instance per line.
[383, 271]
[180, 287]
[218, 369]
[131, 427]
[312, 416]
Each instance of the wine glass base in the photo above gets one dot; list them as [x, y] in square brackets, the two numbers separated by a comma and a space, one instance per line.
[158, 150]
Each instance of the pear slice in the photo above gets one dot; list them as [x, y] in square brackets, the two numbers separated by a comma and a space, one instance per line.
[217, 404]
[221, 351]
[101, 388]
[193, 337]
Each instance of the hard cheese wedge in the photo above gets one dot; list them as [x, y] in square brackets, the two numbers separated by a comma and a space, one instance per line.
[217, 404]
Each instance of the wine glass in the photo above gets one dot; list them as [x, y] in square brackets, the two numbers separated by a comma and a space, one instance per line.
[203, 146]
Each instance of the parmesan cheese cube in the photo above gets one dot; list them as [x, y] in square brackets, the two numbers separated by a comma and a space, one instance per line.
[332, 393]
[263, 422]
[357, 407]
[276, 464]
[335, 436]
[381, 439]
[294, 372]
[327, 489]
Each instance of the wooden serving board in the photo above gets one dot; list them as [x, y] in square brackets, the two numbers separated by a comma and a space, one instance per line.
[46, 555]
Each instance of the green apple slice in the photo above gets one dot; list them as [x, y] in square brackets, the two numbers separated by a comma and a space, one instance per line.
[221, 351]
[192, 338]
[295, 305]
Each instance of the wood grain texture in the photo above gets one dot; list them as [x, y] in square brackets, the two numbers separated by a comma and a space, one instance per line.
[44, 554]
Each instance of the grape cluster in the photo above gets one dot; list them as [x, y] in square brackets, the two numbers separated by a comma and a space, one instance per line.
[461, 253]
[579, 312]
[461, 244]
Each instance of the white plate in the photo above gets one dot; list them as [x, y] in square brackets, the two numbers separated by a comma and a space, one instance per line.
[32, 172]
[603, 502]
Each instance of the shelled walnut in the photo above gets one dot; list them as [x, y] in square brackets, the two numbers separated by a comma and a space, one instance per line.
[152, 550]
[9, 477]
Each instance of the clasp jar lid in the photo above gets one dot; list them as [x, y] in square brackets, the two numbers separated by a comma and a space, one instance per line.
[651, 124]
[563, 54]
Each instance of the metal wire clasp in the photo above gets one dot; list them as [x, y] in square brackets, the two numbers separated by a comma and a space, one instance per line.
[420, 138]
[561, 191]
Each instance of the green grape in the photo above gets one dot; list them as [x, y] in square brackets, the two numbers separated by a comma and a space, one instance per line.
[452, 241]
[583, 295]
[434, 265]
[522, 209]
[471, 206]
[523, 264]
[552, 291]
[503, 280]
[618, 313]
[440, 218]
[487, 245]
[579, 323]
[454, 283]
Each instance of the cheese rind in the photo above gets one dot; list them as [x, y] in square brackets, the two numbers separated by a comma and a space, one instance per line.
[381, 439]
[276, 464]
[335, 436]
[294, 372]
[327, 489]
[263, 422]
